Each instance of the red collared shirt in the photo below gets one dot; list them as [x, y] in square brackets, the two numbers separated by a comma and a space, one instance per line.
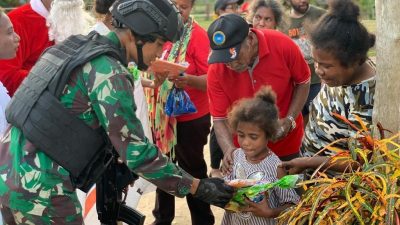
[196, 55]
[280, 65]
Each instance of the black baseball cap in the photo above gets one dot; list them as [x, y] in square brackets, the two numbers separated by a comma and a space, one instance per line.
[219, 4]
[226, 34]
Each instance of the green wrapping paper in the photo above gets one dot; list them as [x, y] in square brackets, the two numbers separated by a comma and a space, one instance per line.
[133, 69]
[256, 192]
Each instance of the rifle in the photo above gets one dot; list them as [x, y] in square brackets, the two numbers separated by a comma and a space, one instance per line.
[110, 205]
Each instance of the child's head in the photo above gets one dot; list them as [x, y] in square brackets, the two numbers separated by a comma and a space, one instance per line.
[255, 120]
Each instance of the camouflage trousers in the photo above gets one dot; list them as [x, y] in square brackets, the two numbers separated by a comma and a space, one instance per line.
[14, 217]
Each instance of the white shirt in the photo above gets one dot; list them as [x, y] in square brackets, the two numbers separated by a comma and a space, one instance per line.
[242, 169]
[4, 100]
[101, 28]
[37, 6]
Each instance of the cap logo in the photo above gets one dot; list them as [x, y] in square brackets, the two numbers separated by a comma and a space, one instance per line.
[219, 38]
[233, 53]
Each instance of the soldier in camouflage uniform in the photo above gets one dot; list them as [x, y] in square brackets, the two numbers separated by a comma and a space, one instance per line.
[36, 190]
[340, 46]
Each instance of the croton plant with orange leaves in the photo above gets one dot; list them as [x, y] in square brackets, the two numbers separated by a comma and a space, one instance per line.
[364, 194]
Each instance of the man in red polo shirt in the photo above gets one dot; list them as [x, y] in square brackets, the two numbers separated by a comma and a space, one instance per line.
[244, 60]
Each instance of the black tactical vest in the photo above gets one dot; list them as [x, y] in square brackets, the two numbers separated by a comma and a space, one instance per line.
[36, 110]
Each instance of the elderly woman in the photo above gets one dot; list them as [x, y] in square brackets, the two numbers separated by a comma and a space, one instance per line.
[265, 14]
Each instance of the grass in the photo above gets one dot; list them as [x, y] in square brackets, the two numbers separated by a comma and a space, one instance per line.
[204, 23]
[371, 27]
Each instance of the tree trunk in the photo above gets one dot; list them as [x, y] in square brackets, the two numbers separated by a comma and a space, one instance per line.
[387, 92]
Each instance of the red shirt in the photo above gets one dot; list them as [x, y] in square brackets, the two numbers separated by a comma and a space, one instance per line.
[280, 65]
[32, 29]
[197, 56]
[245, 7]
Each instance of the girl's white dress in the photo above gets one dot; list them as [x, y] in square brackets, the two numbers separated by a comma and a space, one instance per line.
[266, 170]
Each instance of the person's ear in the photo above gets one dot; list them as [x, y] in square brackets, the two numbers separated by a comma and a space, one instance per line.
[132, 37]
[251, 39]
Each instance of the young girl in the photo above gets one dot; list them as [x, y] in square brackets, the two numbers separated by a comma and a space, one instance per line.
[255, 121]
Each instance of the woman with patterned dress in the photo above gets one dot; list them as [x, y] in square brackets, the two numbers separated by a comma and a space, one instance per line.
[340, 45]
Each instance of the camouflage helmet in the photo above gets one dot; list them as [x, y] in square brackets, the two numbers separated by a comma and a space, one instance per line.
[148, 17]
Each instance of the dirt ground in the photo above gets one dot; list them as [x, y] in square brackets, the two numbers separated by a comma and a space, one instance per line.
[182, 214]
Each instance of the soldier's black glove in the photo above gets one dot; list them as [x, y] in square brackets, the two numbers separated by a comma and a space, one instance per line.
[214, 191]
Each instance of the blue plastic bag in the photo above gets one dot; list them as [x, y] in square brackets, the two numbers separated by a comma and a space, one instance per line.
[178, 103]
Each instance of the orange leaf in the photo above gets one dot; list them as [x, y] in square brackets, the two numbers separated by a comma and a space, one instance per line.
[344, 119]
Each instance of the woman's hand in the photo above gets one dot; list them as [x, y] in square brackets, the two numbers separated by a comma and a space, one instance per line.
[295, 166]
[159, 78]
[180, 81]
[298, 165]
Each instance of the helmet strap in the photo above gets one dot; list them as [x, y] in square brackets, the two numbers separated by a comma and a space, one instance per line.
[139, 49]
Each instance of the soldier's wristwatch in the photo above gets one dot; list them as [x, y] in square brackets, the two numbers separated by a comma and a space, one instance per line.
[292, 121]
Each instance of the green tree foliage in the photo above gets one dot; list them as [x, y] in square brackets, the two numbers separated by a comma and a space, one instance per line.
[367, 8]
[11, 3]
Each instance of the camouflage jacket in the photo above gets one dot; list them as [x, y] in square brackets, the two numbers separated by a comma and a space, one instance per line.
[101, 94]
[348, 101]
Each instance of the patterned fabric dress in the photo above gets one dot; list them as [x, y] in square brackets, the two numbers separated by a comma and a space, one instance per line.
[277, 196]
[164, 127]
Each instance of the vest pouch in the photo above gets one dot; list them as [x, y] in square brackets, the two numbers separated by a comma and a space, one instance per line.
[83, 152]
[94, 170]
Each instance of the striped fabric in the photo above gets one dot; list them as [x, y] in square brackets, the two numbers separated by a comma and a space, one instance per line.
[266, 171]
